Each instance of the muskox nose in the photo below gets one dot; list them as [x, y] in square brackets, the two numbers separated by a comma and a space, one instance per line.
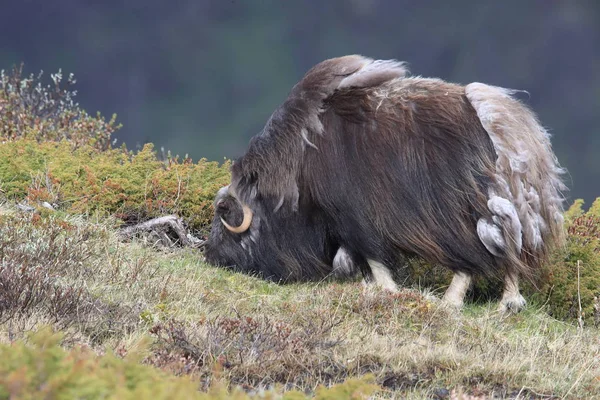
[212, 255]
[209, 252]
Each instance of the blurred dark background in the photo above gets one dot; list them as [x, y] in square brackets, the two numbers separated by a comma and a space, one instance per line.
[200, 77]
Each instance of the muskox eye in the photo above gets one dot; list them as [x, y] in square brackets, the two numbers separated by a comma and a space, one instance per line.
[222, 205]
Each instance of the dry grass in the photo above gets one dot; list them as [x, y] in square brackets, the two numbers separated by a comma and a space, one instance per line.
[75, 275]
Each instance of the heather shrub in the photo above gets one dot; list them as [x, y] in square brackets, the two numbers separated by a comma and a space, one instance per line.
[253, 351]
[47, 269]
[573, 274]
[35, 254]
[53, 151]
[115, 182]
[42, 369]
[30, 109]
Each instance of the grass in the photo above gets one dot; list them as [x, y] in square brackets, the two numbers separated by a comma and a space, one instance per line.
[206, 323]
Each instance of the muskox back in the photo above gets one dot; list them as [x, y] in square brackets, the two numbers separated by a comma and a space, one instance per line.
[396, 166]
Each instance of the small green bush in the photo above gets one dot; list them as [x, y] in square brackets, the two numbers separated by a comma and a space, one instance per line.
[53, 151]
[41, 369]
[561, 290]
[115, 182]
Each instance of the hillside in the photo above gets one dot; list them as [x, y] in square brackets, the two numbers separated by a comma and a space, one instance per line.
[85, 313]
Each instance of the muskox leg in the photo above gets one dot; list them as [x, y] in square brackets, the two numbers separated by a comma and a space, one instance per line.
[382, 276]
[512, 300]
[455, 294]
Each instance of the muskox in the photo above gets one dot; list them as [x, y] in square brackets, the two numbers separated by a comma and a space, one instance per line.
[364, 165]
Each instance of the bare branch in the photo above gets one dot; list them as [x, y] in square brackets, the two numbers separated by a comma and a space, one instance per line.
[158, 226]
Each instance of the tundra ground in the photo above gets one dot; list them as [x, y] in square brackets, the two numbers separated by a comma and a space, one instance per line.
[76, 276]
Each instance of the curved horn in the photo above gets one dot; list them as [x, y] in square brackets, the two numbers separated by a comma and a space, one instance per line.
[245, 222]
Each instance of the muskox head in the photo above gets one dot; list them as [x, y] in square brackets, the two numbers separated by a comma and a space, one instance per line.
[279, 246]
[228, 242]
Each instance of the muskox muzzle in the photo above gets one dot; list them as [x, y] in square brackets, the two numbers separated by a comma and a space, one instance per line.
[231, 223]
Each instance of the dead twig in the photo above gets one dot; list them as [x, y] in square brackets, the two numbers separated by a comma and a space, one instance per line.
[580, 314]
[159, 227]
[25, 207]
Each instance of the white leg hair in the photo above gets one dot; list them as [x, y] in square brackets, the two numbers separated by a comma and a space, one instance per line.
[512, 300]
[343, 265]
[455, 294]
[382, 276]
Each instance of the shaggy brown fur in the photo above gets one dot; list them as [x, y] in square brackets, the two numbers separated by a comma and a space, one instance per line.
[394, 166]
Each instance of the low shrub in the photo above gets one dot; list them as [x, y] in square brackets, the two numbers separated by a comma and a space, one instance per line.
[42, 369]
[253, 352]
[34, 256]
[30, 109]
[573, 274]
[115, 182]
[46, 265]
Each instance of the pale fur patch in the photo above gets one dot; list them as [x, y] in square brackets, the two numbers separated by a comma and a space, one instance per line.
[314, 124]
[505, 215]
[512, 300]
[279, 204]
[304, 134]
[455, 294]
[343, 265]
[382, 276]
[375, 73]
[491, 236]
[527, 171]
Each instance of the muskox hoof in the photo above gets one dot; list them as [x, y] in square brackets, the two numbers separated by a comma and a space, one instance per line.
[452, 302]
[372, 287]
[513, 304]
[455, 294]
